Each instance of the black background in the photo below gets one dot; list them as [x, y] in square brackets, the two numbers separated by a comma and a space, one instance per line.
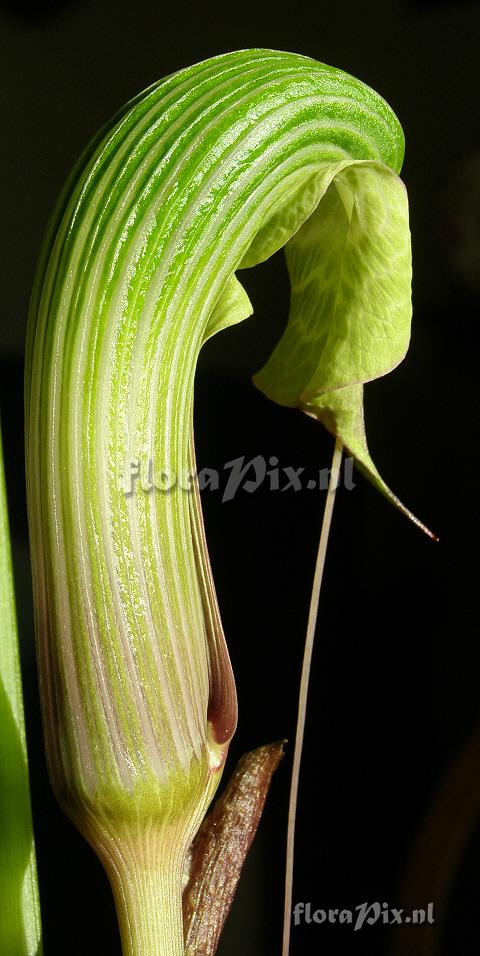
[394, 697]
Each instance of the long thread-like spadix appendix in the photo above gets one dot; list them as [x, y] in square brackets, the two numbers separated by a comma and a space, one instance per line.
[209, 170]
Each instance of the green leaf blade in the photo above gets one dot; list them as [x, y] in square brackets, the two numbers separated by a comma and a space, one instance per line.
[20, 926]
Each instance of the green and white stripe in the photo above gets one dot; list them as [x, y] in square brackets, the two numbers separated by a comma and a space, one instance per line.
[209, 170]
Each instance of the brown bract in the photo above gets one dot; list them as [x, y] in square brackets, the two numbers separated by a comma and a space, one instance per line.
[220, 848]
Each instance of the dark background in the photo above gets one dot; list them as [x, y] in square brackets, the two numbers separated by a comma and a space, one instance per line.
[394, 697]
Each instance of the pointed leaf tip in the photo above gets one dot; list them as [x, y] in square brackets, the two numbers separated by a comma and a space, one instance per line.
[350, 312]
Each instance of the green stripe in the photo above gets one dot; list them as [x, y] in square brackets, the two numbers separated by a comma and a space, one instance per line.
[160, 215]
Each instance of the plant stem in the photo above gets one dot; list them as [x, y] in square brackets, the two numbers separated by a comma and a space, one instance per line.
[303, 693]
[148, 899]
